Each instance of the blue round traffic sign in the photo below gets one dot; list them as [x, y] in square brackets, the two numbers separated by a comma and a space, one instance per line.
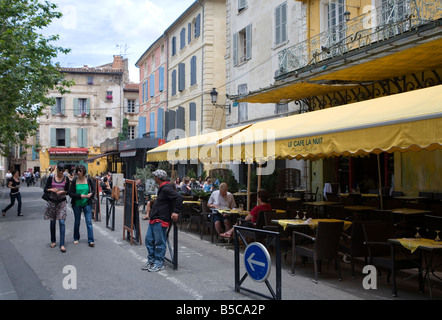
[257, 261]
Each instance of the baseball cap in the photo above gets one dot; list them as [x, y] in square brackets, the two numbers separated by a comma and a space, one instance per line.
[160, 174]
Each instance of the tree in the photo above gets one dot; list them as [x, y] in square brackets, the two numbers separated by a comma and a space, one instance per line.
[26, 69]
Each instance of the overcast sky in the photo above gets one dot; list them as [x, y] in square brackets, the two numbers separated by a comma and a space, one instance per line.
[96, 30]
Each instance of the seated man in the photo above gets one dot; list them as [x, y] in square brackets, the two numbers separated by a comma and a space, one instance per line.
[221, 199]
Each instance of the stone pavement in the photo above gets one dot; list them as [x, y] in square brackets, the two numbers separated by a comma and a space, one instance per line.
[29, 269]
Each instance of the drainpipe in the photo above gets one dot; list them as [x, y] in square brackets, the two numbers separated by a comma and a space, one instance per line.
[200, 2]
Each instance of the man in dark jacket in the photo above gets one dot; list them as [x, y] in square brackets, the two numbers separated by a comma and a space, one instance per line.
[166, 208]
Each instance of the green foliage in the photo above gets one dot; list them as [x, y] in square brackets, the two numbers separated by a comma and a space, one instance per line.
[201, 194]
[144, 173]
[26, 70]
[124, 130]
[230, 180]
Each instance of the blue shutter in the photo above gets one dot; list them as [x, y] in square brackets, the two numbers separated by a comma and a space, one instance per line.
[192, 118]
[160, 120]
[193, 70]
[152, 124]
[173, 82]
[161, 79]
[173, 46]
[249, 42]
[141, 126]
[189, 32]
[198, 25]
[182, 38]
[67, 137]
[142, 92]
[181, 77]
[152, 85]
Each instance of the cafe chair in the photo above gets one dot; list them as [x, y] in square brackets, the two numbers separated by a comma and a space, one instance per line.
[284, 235]
[324, 245]
[353, 243]
[195, 216]
[259, 225]
[388, 256]
[333, 197]
[207, 221]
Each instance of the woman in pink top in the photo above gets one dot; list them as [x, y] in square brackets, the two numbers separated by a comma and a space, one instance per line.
[250, 220]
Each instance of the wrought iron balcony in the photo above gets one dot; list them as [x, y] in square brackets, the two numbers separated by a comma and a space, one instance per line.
[393, 18]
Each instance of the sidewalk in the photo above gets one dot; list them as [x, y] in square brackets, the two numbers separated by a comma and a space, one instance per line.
[112, 270]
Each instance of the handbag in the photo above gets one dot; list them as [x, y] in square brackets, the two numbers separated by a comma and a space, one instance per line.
[46, 196]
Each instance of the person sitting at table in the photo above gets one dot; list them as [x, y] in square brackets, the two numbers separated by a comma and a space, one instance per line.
[105, 187]
[208, 186]
[221, 199]
[250, 219]
[185, 187]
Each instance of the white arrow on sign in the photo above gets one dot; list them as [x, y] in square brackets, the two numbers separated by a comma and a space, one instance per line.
[252, 262]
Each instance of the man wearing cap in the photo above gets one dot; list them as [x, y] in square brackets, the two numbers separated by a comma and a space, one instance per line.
[166, 209]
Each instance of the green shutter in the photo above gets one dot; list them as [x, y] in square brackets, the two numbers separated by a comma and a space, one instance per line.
[84, 138]
[53, 138]
[63, 106]
[88, 106]
[54, 107]
[67, 136]
[76, 111]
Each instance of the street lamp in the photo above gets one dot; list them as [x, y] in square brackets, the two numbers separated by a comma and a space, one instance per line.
[214, 96]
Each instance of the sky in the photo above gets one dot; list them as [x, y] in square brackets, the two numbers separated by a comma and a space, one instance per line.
[96, 30]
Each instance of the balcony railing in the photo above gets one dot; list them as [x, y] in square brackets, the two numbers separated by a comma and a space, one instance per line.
[393, 18]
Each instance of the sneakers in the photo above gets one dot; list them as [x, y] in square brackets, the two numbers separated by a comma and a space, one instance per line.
[151, 267]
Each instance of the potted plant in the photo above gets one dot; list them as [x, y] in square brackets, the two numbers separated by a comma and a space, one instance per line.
[108, 124]
[201, 194]
[109, 97]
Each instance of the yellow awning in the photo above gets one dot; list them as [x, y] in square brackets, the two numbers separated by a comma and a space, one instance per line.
[412, 60]
[202, 147]
[401, 122]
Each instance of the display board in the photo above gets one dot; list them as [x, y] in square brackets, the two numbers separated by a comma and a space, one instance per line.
[131, 221]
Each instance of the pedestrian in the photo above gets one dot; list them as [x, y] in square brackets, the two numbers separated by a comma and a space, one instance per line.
[82, 192]
[14, 185]
[57, 187]
[166, 209]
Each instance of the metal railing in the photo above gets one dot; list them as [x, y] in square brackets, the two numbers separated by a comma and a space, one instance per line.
[393, 18]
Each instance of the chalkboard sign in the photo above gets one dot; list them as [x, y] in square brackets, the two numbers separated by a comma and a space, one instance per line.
[131, 220]
[96, 203]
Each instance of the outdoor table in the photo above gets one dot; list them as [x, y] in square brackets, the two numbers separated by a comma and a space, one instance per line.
[425, 245]
[312, 223]
[191, 202]
[406, 211]
[231, 212]
[410, 198]
[360, 210]
[292, 199]
[320, 204]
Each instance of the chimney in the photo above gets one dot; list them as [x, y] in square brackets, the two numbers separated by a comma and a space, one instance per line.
[118, 62]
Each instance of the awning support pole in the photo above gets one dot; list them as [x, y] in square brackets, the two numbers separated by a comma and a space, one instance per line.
[380, 183]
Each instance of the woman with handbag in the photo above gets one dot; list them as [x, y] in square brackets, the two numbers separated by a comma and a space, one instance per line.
[57, 187]
[82, 192]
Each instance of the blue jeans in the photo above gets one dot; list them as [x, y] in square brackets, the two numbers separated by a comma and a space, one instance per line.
[87, 210]
[13, 197]
[156, 244]
[62, 231]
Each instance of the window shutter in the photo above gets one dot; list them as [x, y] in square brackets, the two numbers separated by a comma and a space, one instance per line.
[137, 107]
[160, 120]
[193, 70]
[182, 38]
[192, 118]
[278, 25]
[53, 137]
[241, 4]
[141, 126]
[63, 106]
[161, 79]
[284, 22]
[181, 77]
[142, 92]
[189, 32]
[54, 107]
[67, 137]
[126, 106]
[198, 25]
[235, 49]
[249, 41]
[173, 82]
[180, 119]
[173, 46]
[152, 124]
[152, 85]
[76, 111]
[80, 137]
[88, 106]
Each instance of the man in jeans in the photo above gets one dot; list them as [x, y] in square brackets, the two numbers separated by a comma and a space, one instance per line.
[166, 208]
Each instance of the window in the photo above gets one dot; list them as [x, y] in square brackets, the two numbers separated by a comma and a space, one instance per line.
[242, 45]
[108, 122]
[82, 106]
[90, 80]
[60, 136]
[131, 132]
[109, 95]
[131, 105]
[242, 4]
[58, 103]
[197, 26]
[335, 20]
[281, 23]
[281, 108]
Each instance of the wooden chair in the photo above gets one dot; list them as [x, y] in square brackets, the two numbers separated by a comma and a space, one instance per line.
[386, 255]
[207, 221]
[325, 245]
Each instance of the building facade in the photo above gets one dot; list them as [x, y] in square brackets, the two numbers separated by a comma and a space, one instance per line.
[72, 129]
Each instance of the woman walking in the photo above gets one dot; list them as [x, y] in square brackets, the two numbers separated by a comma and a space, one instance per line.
[14, 185]
[82, 192]
[57, 187]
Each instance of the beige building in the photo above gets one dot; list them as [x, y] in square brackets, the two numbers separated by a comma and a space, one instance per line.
[72, 129]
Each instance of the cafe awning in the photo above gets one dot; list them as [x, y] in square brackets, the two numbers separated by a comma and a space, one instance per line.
[90, 160]
[400, 122]
[201, 147]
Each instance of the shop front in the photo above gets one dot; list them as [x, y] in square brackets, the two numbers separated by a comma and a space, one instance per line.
[133, 154]
[71, 157]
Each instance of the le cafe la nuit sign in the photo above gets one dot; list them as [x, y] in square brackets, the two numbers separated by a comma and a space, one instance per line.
[304, 142]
